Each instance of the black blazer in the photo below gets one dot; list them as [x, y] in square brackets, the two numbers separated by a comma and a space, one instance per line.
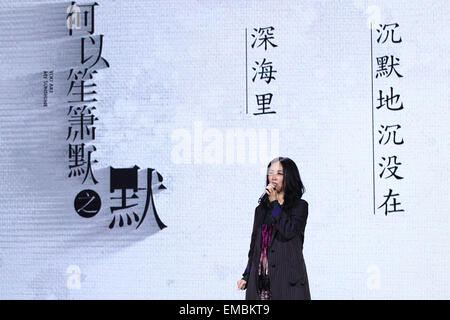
[287, 269]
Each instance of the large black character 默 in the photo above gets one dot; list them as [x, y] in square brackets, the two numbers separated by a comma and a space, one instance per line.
[127, 178]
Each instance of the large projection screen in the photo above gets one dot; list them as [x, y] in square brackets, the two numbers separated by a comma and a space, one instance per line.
[140, 180]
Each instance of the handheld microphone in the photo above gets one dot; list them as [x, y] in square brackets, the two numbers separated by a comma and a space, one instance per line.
[265, 194]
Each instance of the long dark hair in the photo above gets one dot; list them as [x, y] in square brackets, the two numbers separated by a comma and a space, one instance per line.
[292, 183]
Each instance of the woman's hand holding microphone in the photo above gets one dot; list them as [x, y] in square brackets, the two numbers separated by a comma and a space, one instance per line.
[272, 191]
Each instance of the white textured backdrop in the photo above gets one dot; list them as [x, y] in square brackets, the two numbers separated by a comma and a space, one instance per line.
[173, 95]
